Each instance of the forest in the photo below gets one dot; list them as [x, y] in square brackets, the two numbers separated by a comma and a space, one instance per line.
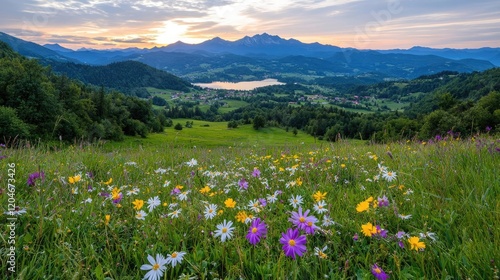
[37, 104]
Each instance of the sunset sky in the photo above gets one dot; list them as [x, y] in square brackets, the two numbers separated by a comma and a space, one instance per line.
[362, 24]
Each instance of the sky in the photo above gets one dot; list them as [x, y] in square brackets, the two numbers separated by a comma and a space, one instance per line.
[362, 24]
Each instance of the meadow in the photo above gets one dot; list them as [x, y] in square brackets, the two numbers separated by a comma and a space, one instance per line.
[187, 207]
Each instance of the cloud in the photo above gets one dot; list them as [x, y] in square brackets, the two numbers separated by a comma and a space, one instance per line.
[356, 23]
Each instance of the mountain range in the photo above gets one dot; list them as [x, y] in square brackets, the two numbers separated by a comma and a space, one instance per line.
[264, 56]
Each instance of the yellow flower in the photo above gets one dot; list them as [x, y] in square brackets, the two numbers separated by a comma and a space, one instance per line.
[115, 193]
[363, 206]
[318, 196]
[107, 218]
[220, 212]
[109, 181]
[204, 190]
[138, 203]
[415, 243]
[298, 181]
[241, 216]
[368, 229]
[179, 187]
[74, 179]
[230, 203]
[342, 165]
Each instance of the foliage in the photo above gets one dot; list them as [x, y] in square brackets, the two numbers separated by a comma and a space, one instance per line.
[38, 104]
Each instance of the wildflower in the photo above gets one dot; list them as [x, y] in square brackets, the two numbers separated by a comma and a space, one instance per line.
[368, 229]
[321, 252]
[106, 219]
[296, 201]
[183, 195]
[379, 273]
[318, 196]
[273, 197]
[192, 163]
[298, 181]
[230, 203]
[300, 219]
[224, 230]
[88, 200]
[174, 258]
[431, 235]
[116, 195]
[381, 232]
[404, 217]
[389, 176]
[153, 202]
[327, 221]
[254, 205]
[310, 226]
[363, 206]
[256, 231]
[319, 207]
[243, 184]
[241, 216]
[36, 175]
[416, 244]
[74, 179]
[175, 213]
[156, 267]
[256, 172]
[160, 170]
[138, 203]
[355, 237]
[293, 244]
[383, 201]
[210, 211]
[205, 190]
[109, 181]
[141, 215]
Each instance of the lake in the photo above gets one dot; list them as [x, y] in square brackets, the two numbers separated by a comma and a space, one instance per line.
[240, 85]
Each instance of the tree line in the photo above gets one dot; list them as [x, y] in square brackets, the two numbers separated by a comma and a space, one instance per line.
[35, 103]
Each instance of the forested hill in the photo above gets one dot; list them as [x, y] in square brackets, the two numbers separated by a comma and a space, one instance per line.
[126, 76]
[37, 104]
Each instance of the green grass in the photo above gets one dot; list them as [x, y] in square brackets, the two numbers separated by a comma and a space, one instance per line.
[450, 188]
[216, 134]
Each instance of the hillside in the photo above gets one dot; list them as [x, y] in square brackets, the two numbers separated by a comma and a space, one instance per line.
[126, 76]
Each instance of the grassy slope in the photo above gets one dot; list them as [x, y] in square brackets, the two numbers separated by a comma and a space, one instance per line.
[217, 134]
[450, 188]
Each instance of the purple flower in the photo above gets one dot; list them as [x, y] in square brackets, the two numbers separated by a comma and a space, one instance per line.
[293, 244]
[488, 128]
[103, 194]
[379, 273]
[118, 198]
[401, 244]
[256, 231]
[383, 201]
[355, 237]
[256, 172]
[90, 175]
[175, 191]
[300, 220]
[33, 176]
[263, 202]
[381, 232]
[243, 184]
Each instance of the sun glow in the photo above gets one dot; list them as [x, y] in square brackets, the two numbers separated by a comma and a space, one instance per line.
[171, 32]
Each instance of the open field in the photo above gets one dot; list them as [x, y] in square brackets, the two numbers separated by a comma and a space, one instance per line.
[416, 210]
[216, 134]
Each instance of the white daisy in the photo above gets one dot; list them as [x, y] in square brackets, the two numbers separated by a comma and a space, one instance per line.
[153, 202]
[327, 221]
[192, 162]
[296, 201]
[319, 207]
[224, 230]
[175, 213]
[141, 215]
[321, 252]
[272, 198]
[210, 211]
[404, 217]
[156, 267]
[254, 205]
[389, 176]
[175, 257]
[183, 195]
